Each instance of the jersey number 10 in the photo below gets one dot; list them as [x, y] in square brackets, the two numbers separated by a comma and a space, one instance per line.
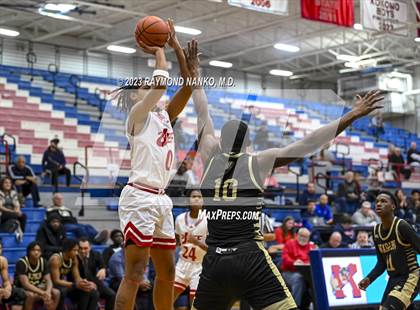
[229, 190]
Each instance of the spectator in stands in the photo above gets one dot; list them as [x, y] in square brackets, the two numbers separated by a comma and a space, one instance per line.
[362, 241]
[9, 296]
[180, 181]
[72, 226]
[349, 194]
[308, 194]
[92, 268]
[323, 209]
[117, 242]
[396, 160]
[413, 156]
[309, 218]
[32, 275]
[296, 252]
[54, 163]
[66, 278]
[25, 179]
[377, 124]
[283, 234]
[116, 273]
[414, 199]
[335, 241]
[365, 216]
[345, 228]
[51, 235]
[403, 209]
[12, 217]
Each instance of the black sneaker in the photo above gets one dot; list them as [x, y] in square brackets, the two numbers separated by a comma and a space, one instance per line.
[101, 237]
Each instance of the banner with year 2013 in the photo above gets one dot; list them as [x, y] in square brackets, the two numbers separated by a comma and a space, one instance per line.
[279, 7]
[385, 15]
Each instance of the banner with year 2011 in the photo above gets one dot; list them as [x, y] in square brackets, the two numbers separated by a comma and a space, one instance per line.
[280, 7]
[385, 15]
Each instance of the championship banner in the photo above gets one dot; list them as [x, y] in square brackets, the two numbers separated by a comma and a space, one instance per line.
[280, 7]
[385, 15]
[339, 12]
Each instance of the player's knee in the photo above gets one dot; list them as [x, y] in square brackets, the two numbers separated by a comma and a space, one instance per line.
[167, 273]
[136, 271]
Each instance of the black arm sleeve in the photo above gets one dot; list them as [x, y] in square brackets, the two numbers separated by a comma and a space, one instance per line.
[379, 268]
[20, 268]
[408, 235]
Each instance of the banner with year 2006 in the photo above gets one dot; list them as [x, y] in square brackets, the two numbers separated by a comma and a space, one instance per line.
[279, 7]
[385, 15]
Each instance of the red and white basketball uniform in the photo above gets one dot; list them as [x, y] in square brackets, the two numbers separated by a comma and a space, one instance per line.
[188, 267]
[145, 211]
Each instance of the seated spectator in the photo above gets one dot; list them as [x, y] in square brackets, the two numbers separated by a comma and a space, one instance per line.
[296, 252]
[396, 161]
[362, 241]
[25, 180]
[9, 296]
[414, 203]
[349, 194]
[365, 216]
[116, 273]
[12, 218]
[71, 225]
[92, 268]
[413, 156]
[283, 234]
[403, 210]
[308, 194]
[323, 209]
[32, 275]
[51, 235]
[66, 278]
[334, 241]
[345, 228]
[54, 163]
[117, 242]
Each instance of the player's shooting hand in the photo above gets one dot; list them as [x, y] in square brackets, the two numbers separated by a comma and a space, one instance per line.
[192, 57]
[173, 40]
[364, 284]
[149, 49]
[368, 103]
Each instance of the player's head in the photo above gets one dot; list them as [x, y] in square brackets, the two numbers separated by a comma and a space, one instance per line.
[362, 237]
[234, 137]
[70, 247]
[34, 250]
[128, 95]
[195, 198]
[117, 237]
[303, 236]
[385, 204]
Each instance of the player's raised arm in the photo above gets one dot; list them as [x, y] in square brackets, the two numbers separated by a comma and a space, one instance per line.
[205, 128]
[277, 157]
[181, 97]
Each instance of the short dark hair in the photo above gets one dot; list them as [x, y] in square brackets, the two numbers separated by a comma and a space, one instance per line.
[84, 239]
[415, 191]
[32, 245]
[115, 232]
[393, 199]
[69, 244]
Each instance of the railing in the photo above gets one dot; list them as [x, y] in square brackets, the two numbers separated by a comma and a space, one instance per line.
[83, 182]
[74, 80]
[322, 176]
[298, 175]
[53, 69]
[31, 60]
[101, 95]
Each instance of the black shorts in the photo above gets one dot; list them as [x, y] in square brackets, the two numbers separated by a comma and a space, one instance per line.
[401, 291]
[17, 298]
[244, 273]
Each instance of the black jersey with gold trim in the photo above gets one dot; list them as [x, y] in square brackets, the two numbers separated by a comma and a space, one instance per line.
[398, 255]
[233, 199]
[35, 273]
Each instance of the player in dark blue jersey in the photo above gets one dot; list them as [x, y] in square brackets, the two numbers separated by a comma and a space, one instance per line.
[396, 246]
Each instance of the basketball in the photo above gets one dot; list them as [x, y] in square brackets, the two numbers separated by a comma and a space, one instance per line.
[152, 31]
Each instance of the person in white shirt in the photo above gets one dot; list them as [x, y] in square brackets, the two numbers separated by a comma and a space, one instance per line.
[190, 233]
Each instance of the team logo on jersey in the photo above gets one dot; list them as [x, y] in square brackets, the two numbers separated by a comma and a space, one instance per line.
[165, 137]
[340, 277]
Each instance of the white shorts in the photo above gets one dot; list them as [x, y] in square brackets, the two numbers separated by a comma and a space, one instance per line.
[187, 274]
[146, 219]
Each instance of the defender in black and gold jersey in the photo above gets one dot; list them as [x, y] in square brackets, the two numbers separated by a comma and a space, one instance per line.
[396, 246]
[32, 274]
[236, 266]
